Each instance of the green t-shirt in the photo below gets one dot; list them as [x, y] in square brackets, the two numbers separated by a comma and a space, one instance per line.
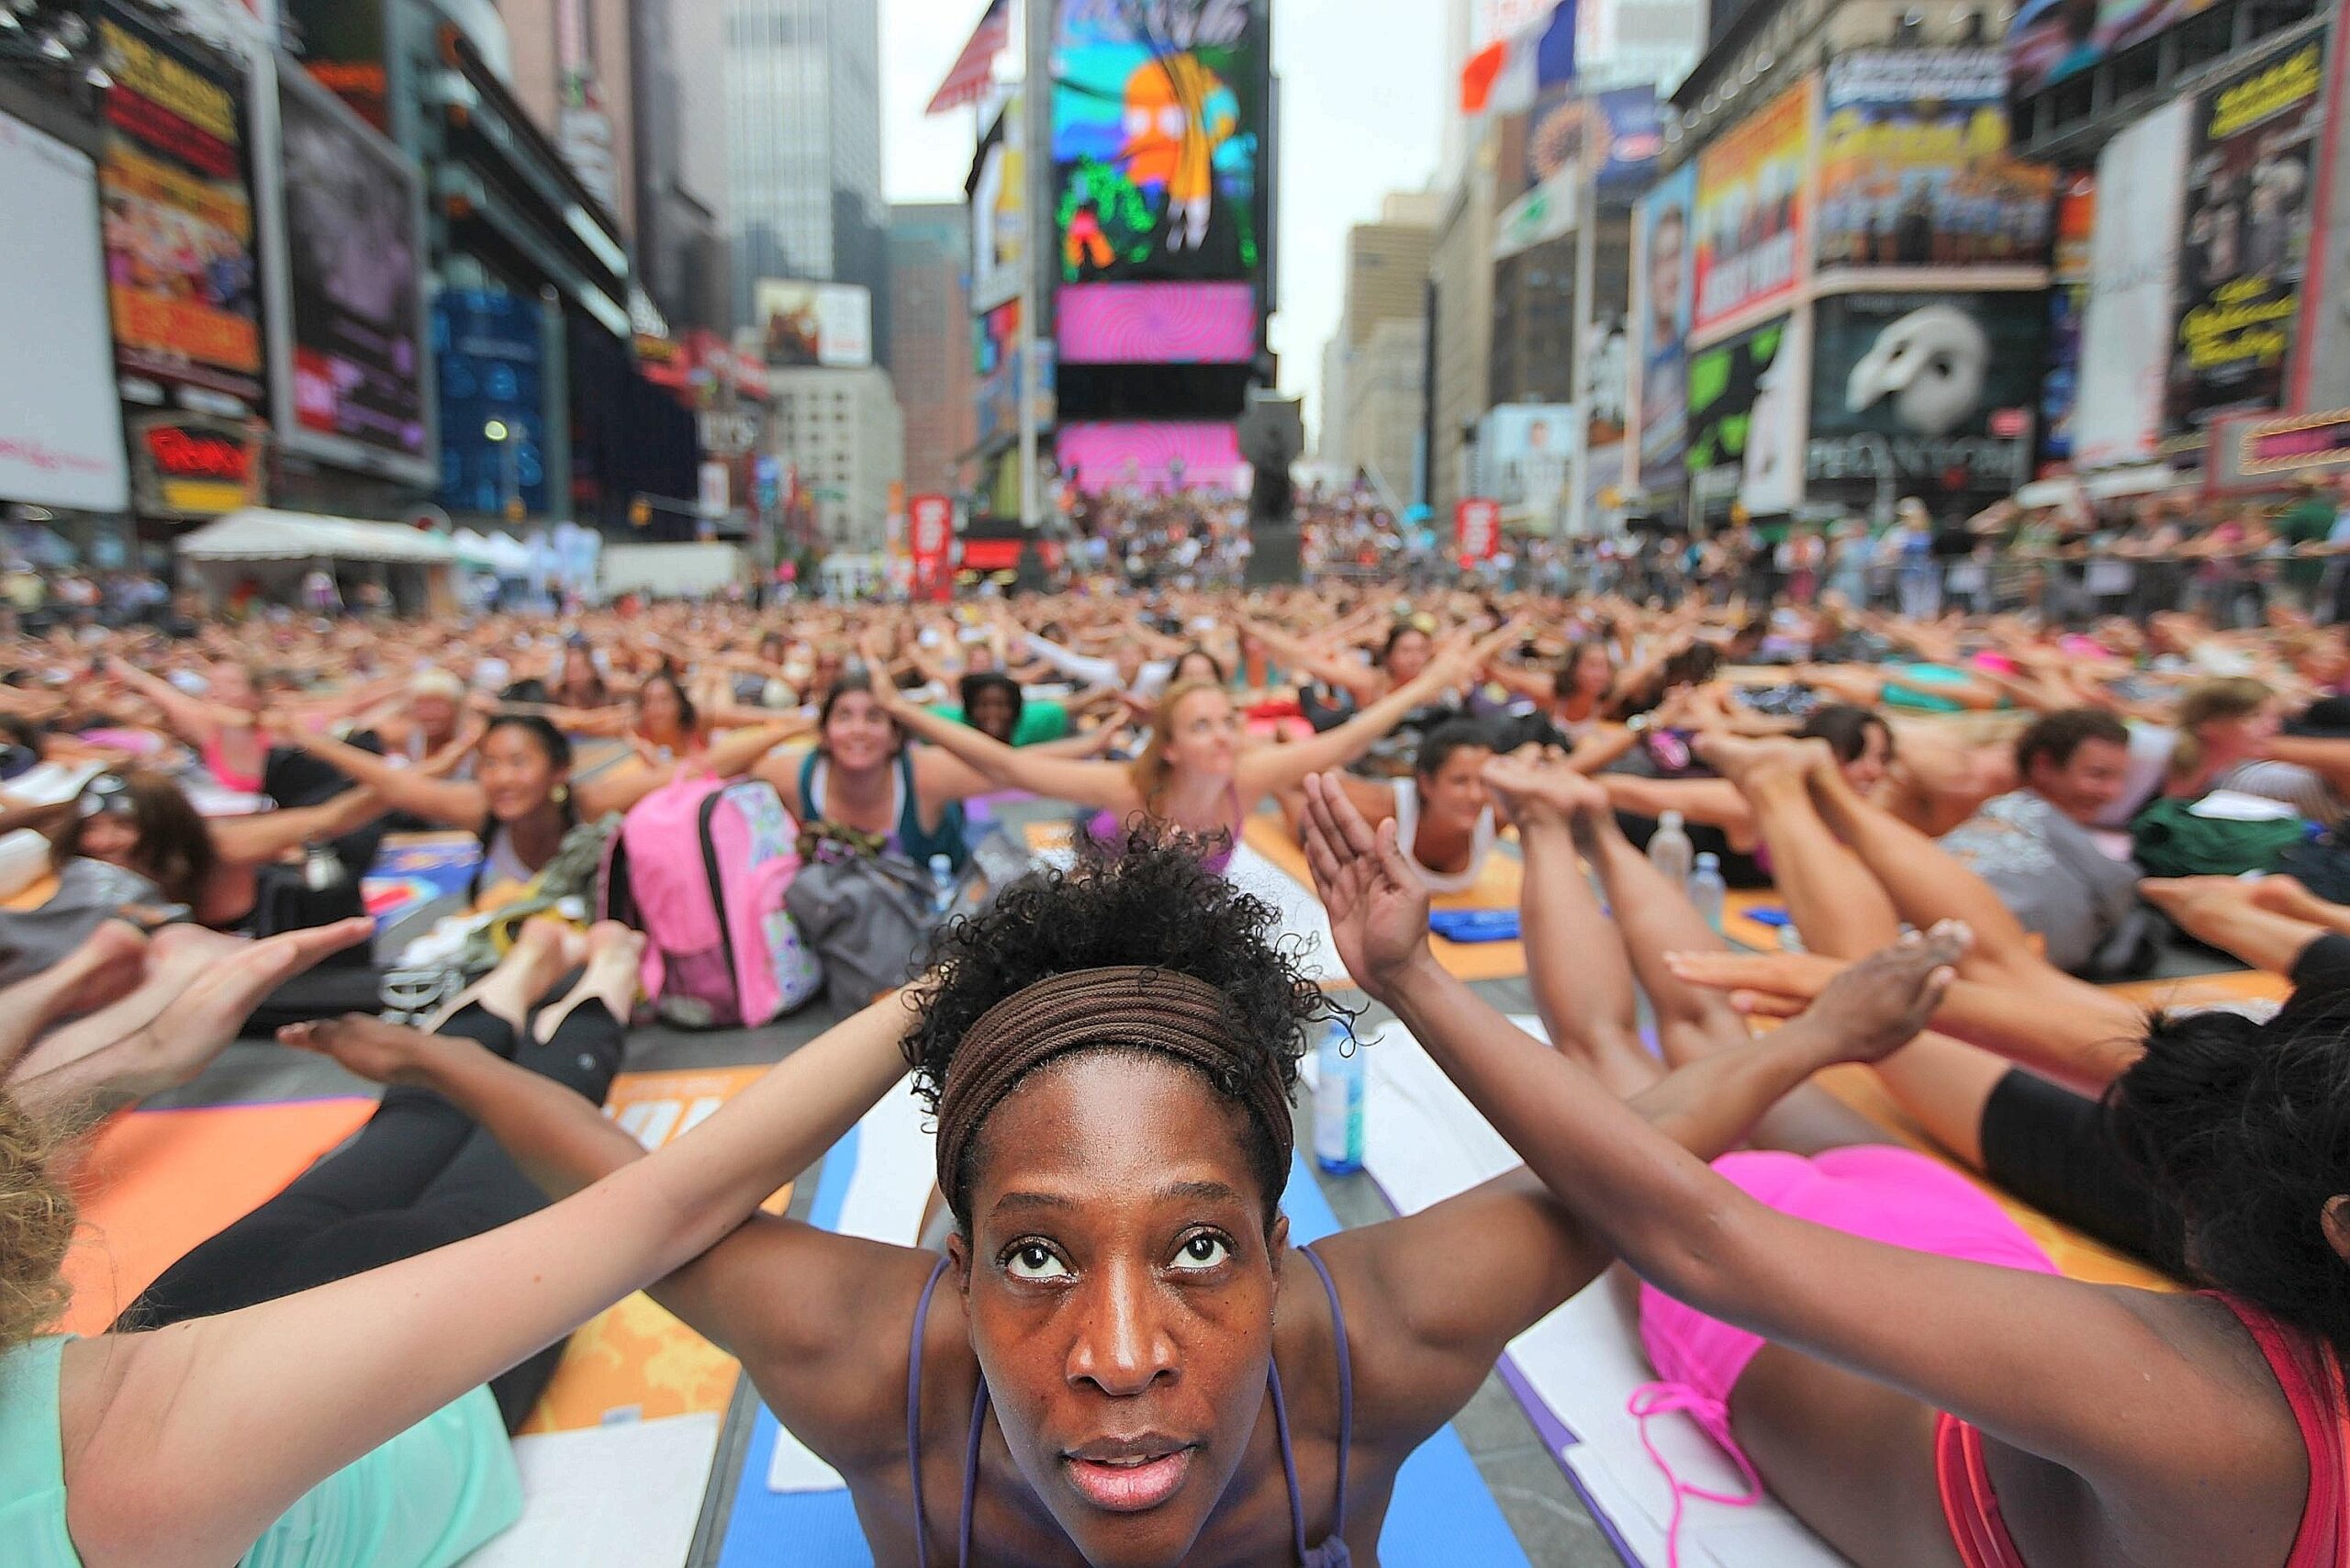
[1039, 722]
[2307, 523]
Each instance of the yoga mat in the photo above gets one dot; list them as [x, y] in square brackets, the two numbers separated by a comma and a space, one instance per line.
[635, 1362]
[416, 869]
[1738, 924]
[1575, 1371]
[152, 1184]
[1498, 886]
[622, 1497]
[876, 1184]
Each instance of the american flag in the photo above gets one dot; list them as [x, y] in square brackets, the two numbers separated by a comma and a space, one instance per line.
[974, 70]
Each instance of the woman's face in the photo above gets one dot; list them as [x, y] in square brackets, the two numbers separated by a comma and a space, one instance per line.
[1205, 734]
[515, 773]
[231, 686]
[1408, 656]
[1455, 794]
[859, 736]
[1120, 1287]
[660, 717]
[2235, 739]
[579, 669]
[991, 713]
[1198, 666]
[1866, 771]
[112, 838]
[1594, 672]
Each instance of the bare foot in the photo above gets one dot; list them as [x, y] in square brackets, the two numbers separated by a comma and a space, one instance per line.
[1543, 790]
[1765, 985]
[1751, 763]
[2287, 896]
[2182, 896]
[1877, 1004]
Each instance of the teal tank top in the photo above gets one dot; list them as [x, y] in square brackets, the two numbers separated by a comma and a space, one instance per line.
[427, 1499]
[909, 839]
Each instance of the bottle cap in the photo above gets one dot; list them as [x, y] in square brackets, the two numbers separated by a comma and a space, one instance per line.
[1669, 821]
[1710, 861]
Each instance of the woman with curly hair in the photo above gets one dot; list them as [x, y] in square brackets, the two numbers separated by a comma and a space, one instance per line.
[1095, 1368]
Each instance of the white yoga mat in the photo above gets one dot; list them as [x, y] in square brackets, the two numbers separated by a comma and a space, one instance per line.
[1426, 1143]
[619, 1496]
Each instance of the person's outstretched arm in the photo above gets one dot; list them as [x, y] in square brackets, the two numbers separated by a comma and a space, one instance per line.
[1276, 768]
[1104, 786]
[149, 1416]
[456, 802]
[2080, 1376]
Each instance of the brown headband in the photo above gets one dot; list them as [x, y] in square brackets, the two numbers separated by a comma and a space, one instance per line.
[1156, 1009]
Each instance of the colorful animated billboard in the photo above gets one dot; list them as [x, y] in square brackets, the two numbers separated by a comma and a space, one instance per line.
[1160, 117]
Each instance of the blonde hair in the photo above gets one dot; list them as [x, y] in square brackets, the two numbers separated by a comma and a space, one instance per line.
[37, 1218]
[1149, 771]
[2229, 697]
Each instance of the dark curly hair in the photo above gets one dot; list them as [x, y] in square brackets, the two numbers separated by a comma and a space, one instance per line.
[2245, 1127]
[1154, 904]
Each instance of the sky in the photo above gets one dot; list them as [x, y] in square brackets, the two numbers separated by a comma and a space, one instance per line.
[1361, 105]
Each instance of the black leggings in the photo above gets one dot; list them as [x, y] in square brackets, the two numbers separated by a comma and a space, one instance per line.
[420, 1174]
[2051, 1147]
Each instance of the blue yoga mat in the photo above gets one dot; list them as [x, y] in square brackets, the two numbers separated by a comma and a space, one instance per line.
[1442, 1513]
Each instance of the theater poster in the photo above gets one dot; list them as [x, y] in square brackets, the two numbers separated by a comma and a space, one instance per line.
[1660, 303]
[1914, 166]
[2250, 164]
[1746, 420]
[1752, 228]
[1932, 393]
[1160, 120]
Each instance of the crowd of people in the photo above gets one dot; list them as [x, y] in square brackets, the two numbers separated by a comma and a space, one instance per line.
[1978, 808]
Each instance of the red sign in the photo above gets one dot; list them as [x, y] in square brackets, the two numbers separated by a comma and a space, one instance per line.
[1477, 530]
[2010, 424]
[931, 530]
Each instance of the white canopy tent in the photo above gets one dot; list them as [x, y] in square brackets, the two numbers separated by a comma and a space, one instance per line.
[276, 549]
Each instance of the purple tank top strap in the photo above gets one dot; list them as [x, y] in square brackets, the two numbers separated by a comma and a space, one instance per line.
[1333, 1552]
[913, 1414]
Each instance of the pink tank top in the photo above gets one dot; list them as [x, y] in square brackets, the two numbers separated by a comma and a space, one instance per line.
[2306, 1369]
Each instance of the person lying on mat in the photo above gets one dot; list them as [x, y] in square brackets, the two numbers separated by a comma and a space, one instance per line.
[1444, 820]
[1864, 746]
[1196, 774]
[234, 1438]
[1096, 1367]
[1913, 1406]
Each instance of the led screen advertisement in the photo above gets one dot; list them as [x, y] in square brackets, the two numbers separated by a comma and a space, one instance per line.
[182, 283]
[1662, 297]
[1160, 117]
[1752, 228]
[1933, 392]
[802, 324]
[2049, 40]
[349, 373]
[60, 426]
[1151, 457]
[1914, 166]
[1746, 413]
[487, 351]
[2250, 166]
[1156, 323]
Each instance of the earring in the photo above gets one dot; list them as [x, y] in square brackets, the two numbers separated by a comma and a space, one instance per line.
[561, 794]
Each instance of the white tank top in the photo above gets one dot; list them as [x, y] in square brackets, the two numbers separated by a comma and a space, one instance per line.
[1407, 830]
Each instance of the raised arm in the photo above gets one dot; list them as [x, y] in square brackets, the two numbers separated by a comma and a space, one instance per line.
[456, 802]
[1106, 786]
[2073, 1373]
[147, 1416]
[193, 718]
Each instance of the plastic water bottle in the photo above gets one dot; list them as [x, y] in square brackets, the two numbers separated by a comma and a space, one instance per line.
[321, 868]
[1707, 889]
[1670, 850]
[942, 885]
[1338, 1096]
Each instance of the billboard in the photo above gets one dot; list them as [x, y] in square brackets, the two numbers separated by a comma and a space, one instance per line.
[999, 203]
[996, 359]
[1661, 295]
[342, 43]
[2322, 362]
[2049, 40]
[1525, 453]
[182, 283]
[1746, 413]
[1619, 133]
[1914, 167]
[1157, 323]
[1160, 122]
[1908, 387]
[1148, 455]
[487, 354]
[2068, 300]
[1750, 223]
[2133, 268]
[349, 372]
[827, 324]
[2251, 161]
[60, 427]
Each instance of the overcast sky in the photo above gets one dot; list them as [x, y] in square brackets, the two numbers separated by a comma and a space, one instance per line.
[1361, 89]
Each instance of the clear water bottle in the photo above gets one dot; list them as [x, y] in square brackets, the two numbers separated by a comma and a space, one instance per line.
[1670, 850]
[1707, 889]
[942, 885]
[321, 868]
[1339, 1092]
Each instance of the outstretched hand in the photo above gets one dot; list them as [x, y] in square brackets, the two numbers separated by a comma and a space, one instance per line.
[1379, 910]
[1877, 1005]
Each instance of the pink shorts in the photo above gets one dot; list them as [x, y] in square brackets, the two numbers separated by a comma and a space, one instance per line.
[1876, 1191]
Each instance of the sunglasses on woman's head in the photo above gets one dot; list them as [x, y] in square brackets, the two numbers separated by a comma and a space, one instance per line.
[106, 795]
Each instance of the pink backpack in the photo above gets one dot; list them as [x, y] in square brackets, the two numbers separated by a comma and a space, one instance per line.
[700, 867]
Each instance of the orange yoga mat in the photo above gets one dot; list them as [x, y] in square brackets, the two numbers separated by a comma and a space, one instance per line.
[1498, 886]
[154, 1184]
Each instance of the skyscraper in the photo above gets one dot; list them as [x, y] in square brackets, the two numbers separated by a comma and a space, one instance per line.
[803, 126]
[930, 341]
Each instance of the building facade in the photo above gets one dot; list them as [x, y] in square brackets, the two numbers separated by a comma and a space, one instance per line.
[803, 137]
[844, 434]
[1374, 371]
[929, 342]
